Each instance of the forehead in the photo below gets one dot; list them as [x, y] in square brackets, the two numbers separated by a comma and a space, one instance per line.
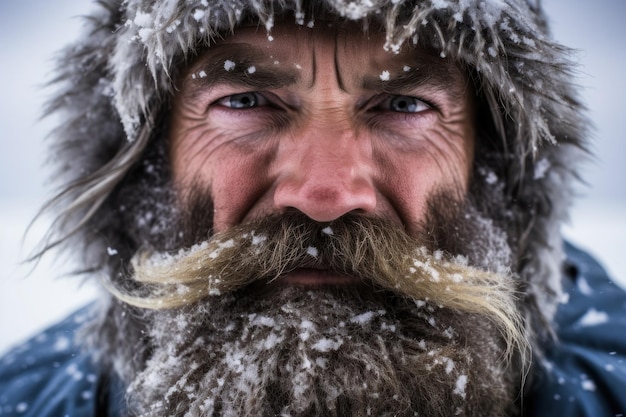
[299, 53]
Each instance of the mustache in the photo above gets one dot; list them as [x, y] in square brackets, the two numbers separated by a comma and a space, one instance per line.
[374, 250]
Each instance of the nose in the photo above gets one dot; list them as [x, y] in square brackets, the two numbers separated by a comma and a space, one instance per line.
[326, 174]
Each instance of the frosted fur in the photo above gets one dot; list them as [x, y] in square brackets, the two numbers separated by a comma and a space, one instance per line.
[116, 81]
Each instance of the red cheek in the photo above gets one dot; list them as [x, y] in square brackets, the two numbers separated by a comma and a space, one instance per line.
[239, 183]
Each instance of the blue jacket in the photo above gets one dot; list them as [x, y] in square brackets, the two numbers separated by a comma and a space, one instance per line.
[583, 375]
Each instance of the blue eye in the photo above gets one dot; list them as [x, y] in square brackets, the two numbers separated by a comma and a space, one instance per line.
[406, 104]
[243, 101]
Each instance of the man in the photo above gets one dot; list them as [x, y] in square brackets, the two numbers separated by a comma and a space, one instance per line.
[322, 208]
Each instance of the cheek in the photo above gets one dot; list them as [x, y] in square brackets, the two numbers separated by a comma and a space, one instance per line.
[438, 157]
[233, 167]
[238, 183]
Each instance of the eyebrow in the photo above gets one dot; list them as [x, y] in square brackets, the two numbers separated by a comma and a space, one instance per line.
[212, 67]
[436, 75]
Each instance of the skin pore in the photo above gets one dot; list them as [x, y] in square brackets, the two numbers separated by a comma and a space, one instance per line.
[324, 121]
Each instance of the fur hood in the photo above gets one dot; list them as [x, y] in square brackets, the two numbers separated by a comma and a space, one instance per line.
[117, 80]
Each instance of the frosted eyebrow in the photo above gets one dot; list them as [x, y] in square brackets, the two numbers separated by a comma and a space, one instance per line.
[433, 75]
[237, 65]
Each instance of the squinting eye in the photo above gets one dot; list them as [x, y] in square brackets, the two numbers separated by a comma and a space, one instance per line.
[406, 104]
[243, 101]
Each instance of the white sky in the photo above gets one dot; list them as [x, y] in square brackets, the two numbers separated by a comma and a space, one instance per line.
[32, 30]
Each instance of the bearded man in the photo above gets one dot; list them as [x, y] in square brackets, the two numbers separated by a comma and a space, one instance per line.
[321, 208]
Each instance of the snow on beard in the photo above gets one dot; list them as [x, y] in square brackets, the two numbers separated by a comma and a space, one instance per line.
[230, 344]
[324, 352]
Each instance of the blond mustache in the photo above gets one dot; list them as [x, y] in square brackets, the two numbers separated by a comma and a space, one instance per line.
[374, 250]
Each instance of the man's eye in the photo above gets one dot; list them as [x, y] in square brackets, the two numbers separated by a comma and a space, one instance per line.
[243, 101]
[405, 104]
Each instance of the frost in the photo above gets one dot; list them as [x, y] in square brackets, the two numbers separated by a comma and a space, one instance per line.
[541, 168]
[272, 341]
[198, 14]
[593, 317]
[312, 251]
[363, 318]
[327, 231]
[449, 364]
[74, 372]
[307, 327]
[583, 286]
[326, 345]
[300, 18]
[171, 28]
[384, 76]
[459, 386]
[321, 362]
[257, 240]
[449, 333]
[144, 34]
[62, 343]
[440, 4]
[262, 321]
[588, 385]
[111, 251]
[388, 327]
[528, 41]
[229, 65]
[143, 20]
[182, 289]
[434, 274]
[220, 246]
[491, 178]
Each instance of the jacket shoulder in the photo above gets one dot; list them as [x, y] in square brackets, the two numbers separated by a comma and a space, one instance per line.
[49, 375]
[584, 372]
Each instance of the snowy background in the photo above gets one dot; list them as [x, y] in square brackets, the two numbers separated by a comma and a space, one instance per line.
[32, 30]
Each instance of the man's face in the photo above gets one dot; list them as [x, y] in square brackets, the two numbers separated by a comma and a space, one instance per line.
[322, 120]
[327, 161]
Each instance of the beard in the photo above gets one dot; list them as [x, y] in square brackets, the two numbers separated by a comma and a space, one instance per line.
[424, 333]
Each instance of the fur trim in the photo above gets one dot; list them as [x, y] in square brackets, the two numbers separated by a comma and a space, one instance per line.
[118, 79]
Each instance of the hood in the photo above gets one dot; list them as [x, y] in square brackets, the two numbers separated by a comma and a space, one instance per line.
[115, 83]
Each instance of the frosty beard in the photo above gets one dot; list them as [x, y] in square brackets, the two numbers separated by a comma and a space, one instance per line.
[326, 352]
[272, 349]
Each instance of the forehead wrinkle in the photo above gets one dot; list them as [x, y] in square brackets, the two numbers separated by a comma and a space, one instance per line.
[340, 81]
